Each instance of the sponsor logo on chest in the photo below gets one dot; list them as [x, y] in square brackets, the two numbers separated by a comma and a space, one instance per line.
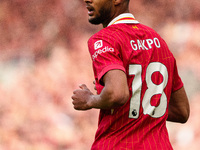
[98, 44]
[100, 49]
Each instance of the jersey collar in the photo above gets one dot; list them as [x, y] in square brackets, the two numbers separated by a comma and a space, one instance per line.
[124, 18]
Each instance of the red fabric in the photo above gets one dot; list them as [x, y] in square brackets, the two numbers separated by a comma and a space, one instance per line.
[119, 131]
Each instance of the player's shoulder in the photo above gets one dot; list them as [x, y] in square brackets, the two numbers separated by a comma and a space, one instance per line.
[146, 29]
[117, 32]
[108, 33]
[98, 39]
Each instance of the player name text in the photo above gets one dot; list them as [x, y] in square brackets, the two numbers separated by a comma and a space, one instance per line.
[144, 44]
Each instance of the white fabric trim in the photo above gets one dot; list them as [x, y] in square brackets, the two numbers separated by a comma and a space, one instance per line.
[124, 15]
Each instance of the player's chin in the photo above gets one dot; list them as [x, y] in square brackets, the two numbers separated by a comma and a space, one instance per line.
[94, 20]
[81, 108]
[77, 108]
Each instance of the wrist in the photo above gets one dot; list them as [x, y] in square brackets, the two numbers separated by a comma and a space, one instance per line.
[90, 102]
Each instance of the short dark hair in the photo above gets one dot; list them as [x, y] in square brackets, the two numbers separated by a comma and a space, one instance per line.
[127, 1]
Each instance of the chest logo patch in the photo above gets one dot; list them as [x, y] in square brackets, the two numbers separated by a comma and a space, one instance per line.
[98, 44]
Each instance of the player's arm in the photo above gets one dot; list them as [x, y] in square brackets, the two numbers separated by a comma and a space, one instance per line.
[179, 107]
[114, 94]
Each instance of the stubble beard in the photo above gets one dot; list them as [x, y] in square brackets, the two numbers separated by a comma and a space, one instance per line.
[95, 21]
[104, 15]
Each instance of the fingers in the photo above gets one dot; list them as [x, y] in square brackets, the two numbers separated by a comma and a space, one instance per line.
[79, 92]
[73, 96]
[83, 87]
[81, 97]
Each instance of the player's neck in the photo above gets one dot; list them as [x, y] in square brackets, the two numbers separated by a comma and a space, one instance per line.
[105, 24]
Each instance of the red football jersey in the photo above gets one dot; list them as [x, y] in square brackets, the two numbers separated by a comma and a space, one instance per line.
[152, 75]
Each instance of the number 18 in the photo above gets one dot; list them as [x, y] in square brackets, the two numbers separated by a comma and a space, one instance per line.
[152, 89]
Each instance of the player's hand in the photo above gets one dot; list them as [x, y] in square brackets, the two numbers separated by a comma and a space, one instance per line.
[81, 98]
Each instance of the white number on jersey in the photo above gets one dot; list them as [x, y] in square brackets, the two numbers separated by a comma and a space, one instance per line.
[152, 89]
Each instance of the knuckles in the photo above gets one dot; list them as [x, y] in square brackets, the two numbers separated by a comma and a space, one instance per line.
[80, 97]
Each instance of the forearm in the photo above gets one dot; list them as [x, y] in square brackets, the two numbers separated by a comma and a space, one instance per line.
[178, 110]
[114, 94]
[107, 100]
[175, 115]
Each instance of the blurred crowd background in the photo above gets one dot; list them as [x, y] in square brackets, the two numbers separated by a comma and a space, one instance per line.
[44, 57]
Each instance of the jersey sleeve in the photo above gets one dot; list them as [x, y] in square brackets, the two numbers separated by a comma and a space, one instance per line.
[177, 82]
[105, 54]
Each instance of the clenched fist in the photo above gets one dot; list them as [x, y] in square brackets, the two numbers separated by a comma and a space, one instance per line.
[82, 98]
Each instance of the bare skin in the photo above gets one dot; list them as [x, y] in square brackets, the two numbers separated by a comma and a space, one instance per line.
[84, 99]
[103, 11]
[179, 109]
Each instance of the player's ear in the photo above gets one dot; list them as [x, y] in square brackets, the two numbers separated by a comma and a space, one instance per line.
[117, 2]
